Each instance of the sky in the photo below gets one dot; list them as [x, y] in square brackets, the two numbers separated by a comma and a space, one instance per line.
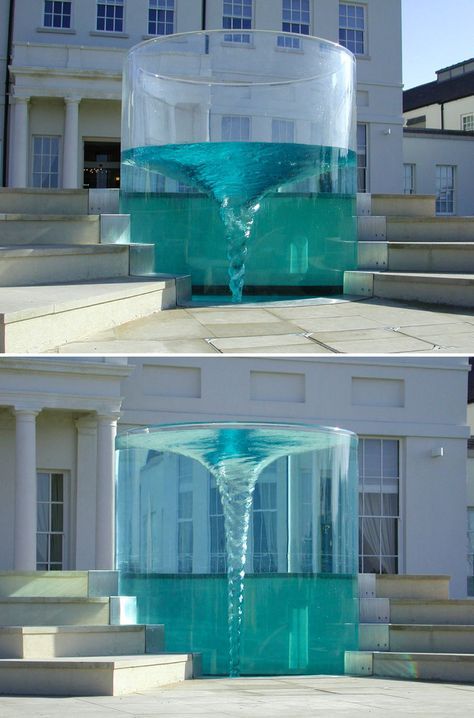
[436, 33]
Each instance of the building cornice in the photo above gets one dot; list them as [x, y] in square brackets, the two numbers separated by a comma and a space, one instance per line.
[64, 366]
[66, 402]
[35, 71]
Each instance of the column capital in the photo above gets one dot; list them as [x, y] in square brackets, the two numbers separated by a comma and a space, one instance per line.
[107, 417]
[72, 99]
[26, 411]
[86, 424]
[19, 99]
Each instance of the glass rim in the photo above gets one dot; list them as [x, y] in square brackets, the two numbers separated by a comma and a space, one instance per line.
[242, 83]
[240, 425]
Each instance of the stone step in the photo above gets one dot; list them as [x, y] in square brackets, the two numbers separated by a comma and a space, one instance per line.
[417, 256]
[449, 667]
[74, 641]
[375, 228]
[405, 205]
[422, 638]
[451, 611]
[431, 288]
[33, 200]
[430, 229]
[408, 586]
[33, 264]
[40, 318]
[44, 264]
[41, 611]
[56, 584]
[93, 676]
[67, 611]
[19, 229]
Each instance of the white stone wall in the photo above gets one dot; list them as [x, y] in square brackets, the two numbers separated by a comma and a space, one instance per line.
[427, 151]
[453, 113]
[85, 65]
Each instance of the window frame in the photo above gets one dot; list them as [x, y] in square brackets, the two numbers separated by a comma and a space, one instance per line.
[114, 4]
[284, 42]
[239, 117]
[351, 45]
[237, 34]
[411, 187]
[63, 564]
[470, 117]
[363, 169]
[53, 27]
[41, 173]
[156, 9]
[381, 515]
[442, 205]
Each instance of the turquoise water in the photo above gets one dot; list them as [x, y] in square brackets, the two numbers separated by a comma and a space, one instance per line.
[292, 615]
[237, 231]
[292, 624]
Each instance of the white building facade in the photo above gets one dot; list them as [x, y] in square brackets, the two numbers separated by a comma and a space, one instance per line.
[438, 145]
[59, 418]
[65, 92]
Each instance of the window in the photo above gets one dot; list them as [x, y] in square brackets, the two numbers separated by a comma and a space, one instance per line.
[352, 27]
[264, 525]
[110, 16]
[283, 131]
[235, 128]
[467, 123]
[295, 19]
[217, 549]
[361, 158]
[50, 522]
[185, 515]
[46, 161]
[378, 505]
[237, 15]
[445, 189]
[57, 14]
[161, 17]
[408, 179]
[470, 551]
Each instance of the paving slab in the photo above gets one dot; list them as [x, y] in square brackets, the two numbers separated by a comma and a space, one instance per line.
[322, 325]
[291, 697]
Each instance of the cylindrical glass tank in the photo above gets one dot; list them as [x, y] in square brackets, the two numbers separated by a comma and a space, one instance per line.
[239, 159]
[241, 538]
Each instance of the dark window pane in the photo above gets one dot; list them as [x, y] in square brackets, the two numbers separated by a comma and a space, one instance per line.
[56, 548]
[57, 517]
[57, 487]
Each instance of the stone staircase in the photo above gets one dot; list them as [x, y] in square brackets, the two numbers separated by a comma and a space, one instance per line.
[63, 270]
[65, 633]
[409, 628]
[407, 252]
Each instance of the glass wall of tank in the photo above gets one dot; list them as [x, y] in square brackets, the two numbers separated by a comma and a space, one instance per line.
[239, 159]
[300, 605]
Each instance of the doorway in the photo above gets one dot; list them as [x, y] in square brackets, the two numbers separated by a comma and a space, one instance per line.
[101, 164]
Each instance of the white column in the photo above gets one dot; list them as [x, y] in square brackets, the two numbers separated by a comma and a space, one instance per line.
[105, 497]
[19, 144]
[86, 478]
[71, 143]
[25, 490]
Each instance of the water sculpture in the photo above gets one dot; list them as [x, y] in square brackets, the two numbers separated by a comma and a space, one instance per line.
[239, 117]
[236, 455]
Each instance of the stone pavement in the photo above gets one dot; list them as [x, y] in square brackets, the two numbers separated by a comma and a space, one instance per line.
[291, 697]
[347, 325]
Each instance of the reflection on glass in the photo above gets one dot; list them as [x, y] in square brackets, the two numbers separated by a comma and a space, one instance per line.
[242, 123]
[249, 525]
